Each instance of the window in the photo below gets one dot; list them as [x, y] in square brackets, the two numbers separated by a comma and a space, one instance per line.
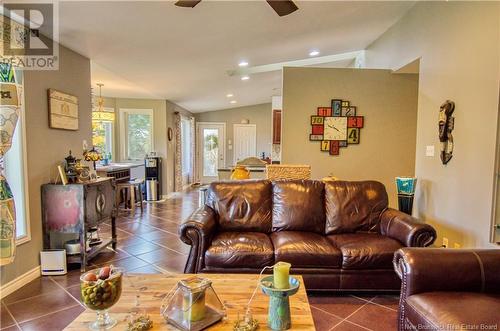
[103, 132]
[16, 175]
[136, 133]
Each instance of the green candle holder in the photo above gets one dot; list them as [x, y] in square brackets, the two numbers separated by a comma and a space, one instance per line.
[279, 303]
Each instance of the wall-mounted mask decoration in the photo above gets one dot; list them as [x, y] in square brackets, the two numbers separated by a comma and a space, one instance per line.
[446, 125]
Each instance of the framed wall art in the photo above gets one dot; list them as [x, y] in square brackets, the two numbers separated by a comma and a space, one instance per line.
[63, 110]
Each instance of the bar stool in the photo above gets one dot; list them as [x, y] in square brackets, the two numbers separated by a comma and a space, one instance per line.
[133, 195]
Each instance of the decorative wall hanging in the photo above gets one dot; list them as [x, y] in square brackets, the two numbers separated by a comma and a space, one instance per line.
[10, 109]
[446, 125]
[63, 110]
[336, 126]
[170, 134]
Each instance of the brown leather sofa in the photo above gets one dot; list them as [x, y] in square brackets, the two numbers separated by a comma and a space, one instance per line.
[338, 235]
[448, 289]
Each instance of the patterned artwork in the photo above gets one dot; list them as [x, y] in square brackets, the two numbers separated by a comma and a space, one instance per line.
[8, 120]
[6, 73]
[10, 105]
[10, 108]
[7, 223]
[336, 127]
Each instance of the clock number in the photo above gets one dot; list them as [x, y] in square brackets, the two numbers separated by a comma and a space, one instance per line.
[325, 111]
[355, 122]
[349, 111]
[353, 135]
[337, 107]
[318, 129]
[334, 147]
[317, 120]
[315, 137]
[325, 146]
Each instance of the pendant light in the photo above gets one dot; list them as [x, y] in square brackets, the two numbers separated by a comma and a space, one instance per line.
[99, 114]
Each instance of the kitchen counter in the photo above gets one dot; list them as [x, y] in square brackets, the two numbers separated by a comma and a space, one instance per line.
[251, 169]
[122, 172]
[255, 173]
[118, 166]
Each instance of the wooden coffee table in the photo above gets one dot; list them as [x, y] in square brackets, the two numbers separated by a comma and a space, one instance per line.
[234, 290]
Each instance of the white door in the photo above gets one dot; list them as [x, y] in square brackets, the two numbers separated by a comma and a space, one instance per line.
[211, 142]
[245, 141]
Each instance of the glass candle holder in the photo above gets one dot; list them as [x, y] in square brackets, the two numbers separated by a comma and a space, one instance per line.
[192, 305]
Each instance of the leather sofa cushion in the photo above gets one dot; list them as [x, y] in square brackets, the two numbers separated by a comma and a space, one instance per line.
[365, 250]
[305, 249]
[240, 249]
[298, 205]
[354, 206]
[451, 310]
[242, 205]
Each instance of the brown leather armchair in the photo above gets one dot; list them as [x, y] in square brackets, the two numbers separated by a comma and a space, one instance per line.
[338, 235]
[448, 289]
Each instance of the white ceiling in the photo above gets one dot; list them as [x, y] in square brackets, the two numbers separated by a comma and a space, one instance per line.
[157, 50]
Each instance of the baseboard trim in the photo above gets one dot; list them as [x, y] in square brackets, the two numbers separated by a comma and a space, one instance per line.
[19, 282]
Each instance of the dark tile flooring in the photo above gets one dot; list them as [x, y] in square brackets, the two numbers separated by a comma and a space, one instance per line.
[149, 243]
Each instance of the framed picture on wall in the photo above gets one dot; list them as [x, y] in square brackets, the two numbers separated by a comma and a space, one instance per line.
[63, 110]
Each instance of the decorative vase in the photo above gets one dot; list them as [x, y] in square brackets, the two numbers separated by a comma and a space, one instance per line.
[240, 172]
[406, 192]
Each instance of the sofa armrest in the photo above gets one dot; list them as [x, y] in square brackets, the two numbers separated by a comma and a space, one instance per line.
[197, 231]
[439, 269]
[406, 229]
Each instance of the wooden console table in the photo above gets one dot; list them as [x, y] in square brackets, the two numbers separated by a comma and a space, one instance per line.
[69, 211]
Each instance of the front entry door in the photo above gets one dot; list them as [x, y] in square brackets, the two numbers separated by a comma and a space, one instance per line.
[211, 144]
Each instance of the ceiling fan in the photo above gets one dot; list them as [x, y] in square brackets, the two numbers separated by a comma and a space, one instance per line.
[281, 7]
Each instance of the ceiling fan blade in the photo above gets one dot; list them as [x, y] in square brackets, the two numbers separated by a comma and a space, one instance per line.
[282, 7]
[187, 3]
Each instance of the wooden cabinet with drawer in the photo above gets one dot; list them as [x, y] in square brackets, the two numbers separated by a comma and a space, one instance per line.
[70, 211]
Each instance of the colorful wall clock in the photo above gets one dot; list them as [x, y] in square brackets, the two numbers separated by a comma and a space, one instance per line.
[336, 127]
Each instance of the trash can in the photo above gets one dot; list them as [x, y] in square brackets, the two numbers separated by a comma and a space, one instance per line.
[152, 190]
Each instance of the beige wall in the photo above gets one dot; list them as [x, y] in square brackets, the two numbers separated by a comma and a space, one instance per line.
[48, 147]
[261, 115]
[387, 142]
[458, 43]
[163, 117]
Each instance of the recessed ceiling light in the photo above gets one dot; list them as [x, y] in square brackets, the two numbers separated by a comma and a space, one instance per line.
[243, 64]
[229, 95]
[245, 77]
[232, 101]
[314, 53]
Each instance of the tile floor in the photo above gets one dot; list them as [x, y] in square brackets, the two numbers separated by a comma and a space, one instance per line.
[150, 244]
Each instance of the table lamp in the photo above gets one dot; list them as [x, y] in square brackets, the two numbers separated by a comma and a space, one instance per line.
[92, 155]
